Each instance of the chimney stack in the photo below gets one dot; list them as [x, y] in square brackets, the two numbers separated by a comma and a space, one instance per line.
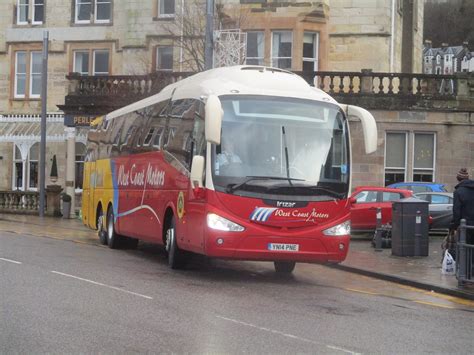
[444, 45]
[428, 44]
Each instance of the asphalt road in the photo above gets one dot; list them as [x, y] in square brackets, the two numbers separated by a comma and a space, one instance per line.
[62, 297]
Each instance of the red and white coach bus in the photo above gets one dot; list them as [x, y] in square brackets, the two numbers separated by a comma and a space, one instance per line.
[245, 162]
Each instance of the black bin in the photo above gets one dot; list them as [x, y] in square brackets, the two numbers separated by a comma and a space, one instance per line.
[404, 214]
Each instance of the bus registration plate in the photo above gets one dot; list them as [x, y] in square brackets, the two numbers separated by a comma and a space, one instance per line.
[283, 247]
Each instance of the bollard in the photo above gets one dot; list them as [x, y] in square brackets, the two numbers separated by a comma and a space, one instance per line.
[461, 254]
[418, 234]
[378, 231]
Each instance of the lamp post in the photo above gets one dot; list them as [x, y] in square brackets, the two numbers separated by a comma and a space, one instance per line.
[44, 93]
[208, 50]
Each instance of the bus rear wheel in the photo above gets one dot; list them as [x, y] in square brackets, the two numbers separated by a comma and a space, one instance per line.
[176, 257]
[284, 267]
[101, 230]
[113, 239]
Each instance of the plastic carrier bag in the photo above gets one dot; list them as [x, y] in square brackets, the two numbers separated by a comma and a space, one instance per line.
[449, 265]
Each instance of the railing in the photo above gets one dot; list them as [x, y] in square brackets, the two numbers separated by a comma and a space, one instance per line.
[122, 85]
[465, 255]
[22, 202]
[367, 82]
[95, 95]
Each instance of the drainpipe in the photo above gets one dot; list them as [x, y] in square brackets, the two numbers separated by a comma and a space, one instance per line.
[392, 37]
[182, 34]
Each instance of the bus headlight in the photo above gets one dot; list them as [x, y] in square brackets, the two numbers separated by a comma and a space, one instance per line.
[222, 224]
[341, 229]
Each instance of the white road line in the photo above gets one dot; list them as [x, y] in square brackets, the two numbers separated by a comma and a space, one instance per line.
[11, 261]
[101, 284]
[332, 347]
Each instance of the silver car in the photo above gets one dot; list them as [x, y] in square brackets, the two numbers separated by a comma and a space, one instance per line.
[440, 208]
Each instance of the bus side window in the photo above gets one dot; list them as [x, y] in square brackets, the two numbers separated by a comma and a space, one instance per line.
[180, 130]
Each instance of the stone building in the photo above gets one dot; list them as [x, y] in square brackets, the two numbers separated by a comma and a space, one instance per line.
[128, 37]
[382, 35]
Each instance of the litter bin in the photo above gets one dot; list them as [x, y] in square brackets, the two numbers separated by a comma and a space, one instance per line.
[404, 213]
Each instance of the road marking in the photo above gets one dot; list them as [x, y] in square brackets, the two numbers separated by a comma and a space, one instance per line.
[101, 284]
[332, 347]
[362, 291]
[11, 261]
[434, 304]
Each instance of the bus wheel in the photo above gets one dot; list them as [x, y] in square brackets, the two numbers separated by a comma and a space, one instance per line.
[284, 267]
[113, 239]
[175, 256]
[101, 230]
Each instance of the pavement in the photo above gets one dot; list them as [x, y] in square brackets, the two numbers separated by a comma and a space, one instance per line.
[419, 272]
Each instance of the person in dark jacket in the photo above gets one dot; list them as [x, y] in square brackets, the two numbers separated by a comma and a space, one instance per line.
[463, 205]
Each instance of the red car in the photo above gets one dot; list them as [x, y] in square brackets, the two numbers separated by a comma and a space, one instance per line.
[366, 199]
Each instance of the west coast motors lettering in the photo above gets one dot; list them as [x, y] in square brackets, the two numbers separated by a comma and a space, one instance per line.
[307, 215]
[135, 177]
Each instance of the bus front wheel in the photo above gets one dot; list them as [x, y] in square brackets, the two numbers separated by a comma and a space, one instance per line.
[175, 255]
[284, 267]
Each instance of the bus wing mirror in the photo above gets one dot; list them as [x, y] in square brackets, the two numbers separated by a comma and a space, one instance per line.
[197, 172]
[369, 126]
[213, 119]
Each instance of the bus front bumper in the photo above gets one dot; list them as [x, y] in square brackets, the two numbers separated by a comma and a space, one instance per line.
[307, 249]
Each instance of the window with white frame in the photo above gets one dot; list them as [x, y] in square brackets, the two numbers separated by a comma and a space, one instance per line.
[395, 157]
[438, 59]
[100, 62]
[88, 11]
[282, 49]
[91, 61]
[35, 74]
[22, 8]
[166, 8]
[423, 157]
[33, 167]
[38, 12]
[255, 48]
[81, 62]
[79, 167]
[18, 170]
[310, 51]
[102, 11]
[164, 58]
[28, 67]
[20, 74]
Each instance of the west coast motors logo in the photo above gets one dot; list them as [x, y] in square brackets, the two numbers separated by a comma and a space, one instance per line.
[262, 214]
[140, 177]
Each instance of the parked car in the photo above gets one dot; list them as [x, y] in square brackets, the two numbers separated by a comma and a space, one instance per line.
[418, 187]
[440, 208]
[366, 199]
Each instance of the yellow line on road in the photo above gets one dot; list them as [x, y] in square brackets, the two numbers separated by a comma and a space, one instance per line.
[453, 299]
[362, 291]
[434, 304]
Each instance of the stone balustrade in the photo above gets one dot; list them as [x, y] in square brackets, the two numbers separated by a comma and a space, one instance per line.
[97, 95]
[22, 202]
[101, 94]
[397, 91]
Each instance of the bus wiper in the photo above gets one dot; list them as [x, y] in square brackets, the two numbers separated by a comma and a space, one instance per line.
[232, 187]
[286, 155]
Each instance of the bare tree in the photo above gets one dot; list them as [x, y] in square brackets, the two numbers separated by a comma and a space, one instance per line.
[449, 22]
[188, 29]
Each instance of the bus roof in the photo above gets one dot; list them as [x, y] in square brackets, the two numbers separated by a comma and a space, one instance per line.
[236, 80]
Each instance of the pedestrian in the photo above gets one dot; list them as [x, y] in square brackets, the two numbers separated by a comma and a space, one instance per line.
[463, 205]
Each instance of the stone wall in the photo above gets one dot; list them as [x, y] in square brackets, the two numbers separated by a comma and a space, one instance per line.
[360, 36]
